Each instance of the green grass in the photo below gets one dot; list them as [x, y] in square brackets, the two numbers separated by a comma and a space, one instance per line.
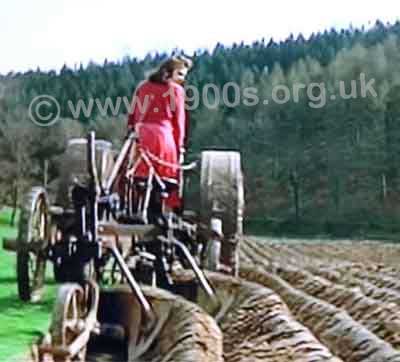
[20, 323]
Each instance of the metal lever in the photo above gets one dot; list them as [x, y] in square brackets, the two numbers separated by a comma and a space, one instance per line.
[132, 283]
[120, 160]
[94, 185]
[199, 274]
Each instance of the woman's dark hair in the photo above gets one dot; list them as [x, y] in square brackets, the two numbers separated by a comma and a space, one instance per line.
[164, 72]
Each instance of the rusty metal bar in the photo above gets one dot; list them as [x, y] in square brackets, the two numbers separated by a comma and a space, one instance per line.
[120, 160]
[132, 283]
[197, 271]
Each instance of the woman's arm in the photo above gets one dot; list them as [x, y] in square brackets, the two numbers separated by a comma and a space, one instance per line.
[179, 118]
[135, 111]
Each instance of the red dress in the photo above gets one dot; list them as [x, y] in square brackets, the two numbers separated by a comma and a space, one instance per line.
[159, 116]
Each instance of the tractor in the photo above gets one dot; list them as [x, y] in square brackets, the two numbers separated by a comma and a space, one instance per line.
[103, 227]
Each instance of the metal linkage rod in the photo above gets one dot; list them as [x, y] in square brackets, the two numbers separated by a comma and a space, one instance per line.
[197, 271]
[132, 282]
[120, 160]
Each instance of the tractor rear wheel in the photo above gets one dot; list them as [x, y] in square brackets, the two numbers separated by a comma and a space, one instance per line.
[222, 196]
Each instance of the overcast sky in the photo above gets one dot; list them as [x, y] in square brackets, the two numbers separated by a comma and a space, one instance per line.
[49, 33]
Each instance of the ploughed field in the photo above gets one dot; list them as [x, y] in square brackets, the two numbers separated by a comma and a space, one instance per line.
[294, 301]
[345, 294]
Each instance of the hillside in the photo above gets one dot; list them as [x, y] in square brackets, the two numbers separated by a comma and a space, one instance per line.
[310, 160]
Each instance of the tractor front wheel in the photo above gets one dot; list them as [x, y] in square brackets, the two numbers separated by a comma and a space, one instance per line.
[33, 237]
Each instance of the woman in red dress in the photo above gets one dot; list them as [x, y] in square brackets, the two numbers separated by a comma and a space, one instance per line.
[159, 119]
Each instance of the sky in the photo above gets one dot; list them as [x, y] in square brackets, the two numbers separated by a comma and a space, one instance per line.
[51, 33]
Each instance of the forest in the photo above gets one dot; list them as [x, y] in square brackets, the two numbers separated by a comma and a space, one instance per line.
[331, 169]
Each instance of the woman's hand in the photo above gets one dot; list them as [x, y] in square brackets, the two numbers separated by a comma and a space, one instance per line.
[182, 152]
[129, 132]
